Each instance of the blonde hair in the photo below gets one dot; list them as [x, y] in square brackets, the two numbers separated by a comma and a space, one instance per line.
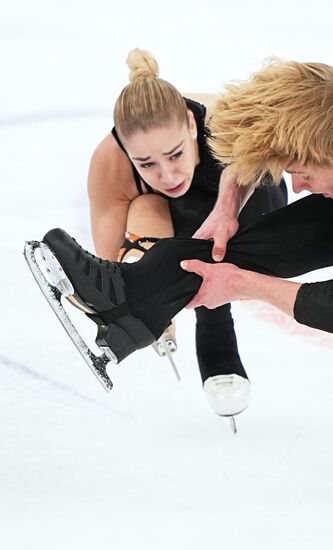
[148, 101]
[282, 114]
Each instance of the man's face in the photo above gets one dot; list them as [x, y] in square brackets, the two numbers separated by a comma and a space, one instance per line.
[314, 179]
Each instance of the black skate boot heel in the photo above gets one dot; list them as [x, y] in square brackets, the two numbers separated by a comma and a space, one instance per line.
[99, 291]
[123, 338]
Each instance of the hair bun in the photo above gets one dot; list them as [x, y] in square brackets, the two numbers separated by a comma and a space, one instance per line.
[141, 64]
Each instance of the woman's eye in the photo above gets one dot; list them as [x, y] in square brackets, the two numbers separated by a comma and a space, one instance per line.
[147, 165]
[176, 155]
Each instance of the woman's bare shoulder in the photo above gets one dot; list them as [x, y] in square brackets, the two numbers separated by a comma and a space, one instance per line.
[110, 171]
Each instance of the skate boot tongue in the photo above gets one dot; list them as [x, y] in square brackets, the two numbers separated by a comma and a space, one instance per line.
[98, 283]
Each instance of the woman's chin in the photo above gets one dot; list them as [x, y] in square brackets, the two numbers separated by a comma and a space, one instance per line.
[177, 191]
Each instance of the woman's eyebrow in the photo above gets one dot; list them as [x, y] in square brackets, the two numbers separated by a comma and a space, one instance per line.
[141, 158]
[174, 148]
[166, 154]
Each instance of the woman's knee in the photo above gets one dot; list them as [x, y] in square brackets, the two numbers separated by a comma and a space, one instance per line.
[149, 215]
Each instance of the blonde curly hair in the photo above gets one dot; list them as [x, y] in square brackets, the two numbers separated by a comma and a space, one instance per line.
[148, 101]
[282, 114]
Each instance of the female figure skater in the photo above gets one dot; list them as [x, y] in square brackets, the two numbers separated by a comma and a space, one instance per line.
[154, 176]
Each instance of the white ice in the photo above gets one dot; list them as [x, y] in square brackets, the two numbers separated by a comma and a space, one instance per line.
[149, 465]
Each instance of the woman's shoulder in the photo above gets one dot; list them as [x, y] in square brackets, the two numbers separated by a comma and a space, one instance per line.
[208, 100]
[110, 169]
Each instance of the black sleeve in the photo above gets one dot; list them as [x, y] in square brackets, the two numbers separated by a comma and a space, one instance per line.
[314, 305]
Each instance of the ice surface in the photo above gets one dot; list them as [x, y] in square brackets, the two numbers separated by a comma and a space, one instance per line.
[149, 465]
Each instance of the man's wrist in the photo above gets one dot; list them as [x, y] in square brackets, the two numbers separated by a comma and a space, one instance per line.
[256, 286]
[243, 282]
[229, 199]
[232, 196]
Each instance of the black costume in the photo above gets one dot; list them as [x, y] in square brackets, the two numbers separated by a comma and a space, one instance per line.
[131, 314]
[216, 343]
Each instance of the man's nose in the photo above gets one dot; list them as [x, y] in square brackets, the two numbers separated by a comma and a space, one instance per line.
[297, 184]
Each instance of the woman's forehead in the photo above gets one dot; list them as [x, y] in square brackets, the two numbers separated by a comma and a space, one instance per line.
[164, 139]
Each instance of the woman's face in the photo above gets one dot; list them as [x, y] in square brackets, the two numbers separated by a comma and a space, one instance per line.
[315, 179]
[166, 157]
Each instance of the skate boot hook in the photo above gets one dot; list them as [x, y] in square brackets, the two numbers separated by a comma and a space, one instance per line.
[166, 348]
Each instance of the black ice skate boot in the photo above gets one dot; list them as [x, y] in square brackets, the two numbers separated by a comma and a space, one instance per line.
[99, 290]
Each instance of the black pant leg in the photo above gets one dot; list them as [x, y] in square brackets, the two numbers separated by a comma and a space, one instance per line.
[285, 243]
[215, 337]
[288, 242]
[216, 343]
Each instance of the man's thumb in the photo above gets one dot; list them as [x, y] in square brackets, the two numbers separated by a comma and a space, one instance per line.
[193, 266]
[218, 253]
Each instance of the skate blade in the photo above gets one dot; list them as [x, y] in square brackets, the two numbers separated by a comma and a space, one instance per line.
[168, 349]
[233, 424]
[232, 421]
[53, 293]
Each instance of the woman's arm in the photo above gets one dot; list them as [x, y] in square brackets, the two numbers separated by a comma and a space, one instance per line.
[111, 189]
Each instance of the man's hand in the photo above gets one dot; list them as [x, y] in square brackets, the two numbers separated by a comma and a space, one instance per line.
[224, 283]
[220, 228]
[219, 285]
[222, 222]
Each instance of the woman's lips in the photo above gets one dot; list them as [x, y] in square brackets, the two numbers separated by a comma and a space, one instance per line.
[175, 189]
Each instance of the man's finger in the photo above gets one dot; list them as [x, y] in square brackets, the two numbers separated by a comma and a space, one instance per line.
[218, 253]
[193, 266]
[194, 303]
[202, 234]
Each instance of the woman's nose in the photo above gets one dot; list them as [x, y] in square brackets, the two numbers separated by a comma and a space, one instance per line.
[166, 174]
